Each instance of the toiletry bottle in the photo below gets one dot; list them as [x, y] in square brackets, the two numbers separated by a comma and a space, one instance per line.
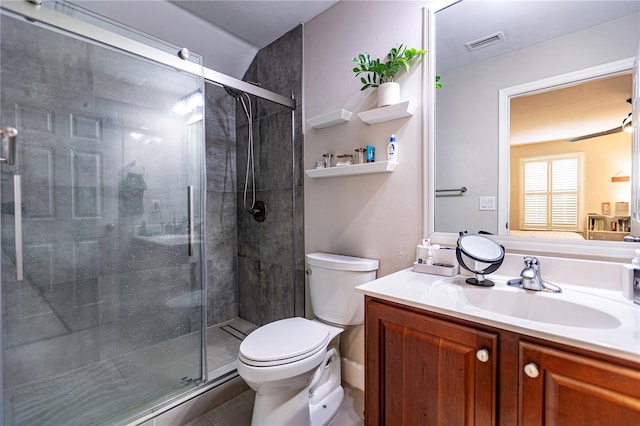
[371, 154]
[421, 250]
[631, 279]
[429, 260]
[392, 150]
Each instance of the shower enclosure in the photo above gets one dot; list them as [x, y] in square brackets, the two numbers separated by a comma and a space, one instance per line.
[102, 261]
[111, 187]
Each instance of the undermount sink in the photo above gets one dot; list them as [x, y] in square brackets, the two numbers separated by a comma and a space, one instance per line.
[550, 308]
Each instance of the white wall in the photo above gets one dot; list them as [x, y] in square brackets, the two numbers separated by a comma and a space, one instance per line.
[374, 216]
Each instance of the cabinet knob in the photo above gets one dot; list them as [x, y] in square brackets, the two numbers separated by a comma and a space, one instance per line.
[482, 355]
[531, 370]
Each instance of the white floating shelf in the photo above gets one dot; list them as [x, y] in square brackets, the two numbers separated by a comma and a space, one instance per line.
[390, 112]
[329, 119]
[356, 169]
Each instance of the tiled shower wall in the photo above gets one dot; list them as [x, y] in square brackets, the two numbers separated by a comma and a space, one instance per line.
[256, 270]
[222, 243]
[271, 253]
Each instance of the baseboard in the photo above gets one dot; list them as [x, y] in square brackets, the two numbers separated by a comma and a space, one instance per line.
[352, 373]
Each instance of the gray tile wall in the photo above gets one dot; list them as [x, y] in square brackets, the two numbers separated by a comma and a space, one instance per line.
[271, 253]
[222, 240]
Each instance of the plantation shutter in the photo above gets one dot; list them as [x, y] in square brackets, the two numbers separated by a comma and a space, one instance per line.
[550, 187]
[535, 193]
[564, 192]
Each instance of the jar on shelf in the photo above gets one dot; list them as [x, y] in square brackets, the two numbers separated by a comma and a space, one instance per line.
[344, 160]
[327, 160]
[360, 155]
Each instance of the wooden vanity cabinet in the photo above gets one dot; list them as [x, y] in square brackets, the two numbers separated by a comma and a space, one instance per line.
[562, 388]
[423, 368]
[425, 371]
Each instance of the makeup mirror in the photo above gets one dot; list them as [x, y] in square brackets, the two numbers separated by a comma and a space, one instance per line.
[486, 254]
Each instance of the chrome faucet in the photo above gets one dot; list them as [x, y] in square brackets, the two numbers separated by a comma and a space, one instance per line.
[530, 278]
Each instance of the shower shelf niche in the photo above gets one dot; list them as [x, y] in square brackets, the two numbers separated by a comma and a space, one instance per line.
[356, 169]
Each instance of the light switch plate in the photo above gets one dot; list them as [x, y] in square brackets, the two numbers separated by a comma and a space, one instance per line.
[487, 203]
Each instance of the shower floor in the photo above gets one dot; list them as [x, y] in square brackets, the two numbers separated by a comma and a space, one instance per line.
[223, 343]
[101, 392]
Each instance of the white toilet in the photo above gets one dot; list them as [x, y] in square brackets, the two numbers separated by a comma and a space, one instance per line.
[294, 364]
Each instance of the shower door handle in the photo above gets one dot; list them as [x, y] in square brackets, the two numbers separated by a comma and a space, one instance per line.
[17, 200]
[190, 219]
[8, 146]
[8, 136]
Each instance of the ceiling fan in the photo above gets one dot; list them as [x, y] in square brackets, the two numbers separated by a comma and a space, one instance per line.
[625, 127]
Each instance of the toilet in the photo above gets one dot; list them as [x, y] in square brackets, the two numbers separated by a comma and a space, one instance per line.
[293, 364]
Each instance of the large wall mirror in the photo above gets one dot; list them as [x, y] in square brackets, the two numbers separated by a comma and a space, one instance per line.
[526, 141]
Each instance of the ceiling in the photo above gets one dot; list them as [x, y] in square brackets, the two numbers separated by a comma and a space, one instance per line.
[471, 20]
[228, 34]
[258, 22]
[578, 110]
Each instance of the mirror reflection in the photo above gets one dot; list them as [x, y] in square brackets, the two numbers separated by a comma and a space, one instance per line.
[570, 161]
[515, 43]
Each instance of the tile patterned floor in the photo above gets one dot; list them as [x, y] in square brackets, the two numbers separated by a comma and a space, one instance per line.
[237, 412]
[104, 392]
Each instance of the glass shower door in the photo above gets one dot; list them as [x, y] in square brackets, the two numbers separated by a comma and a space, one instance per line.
[101, 264]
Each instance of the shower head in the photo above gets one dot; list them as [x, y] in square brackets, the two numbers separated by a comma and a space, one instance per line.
[233, 92]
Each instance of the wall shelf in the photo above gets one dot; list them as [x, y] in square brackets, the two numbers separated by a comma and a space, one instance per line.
[329, 119]
[390, 112]
[610, 228]
[356, 169]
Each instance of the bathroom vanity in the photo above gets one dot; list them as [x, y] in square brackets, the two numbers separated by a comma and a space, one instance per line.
[439, 351]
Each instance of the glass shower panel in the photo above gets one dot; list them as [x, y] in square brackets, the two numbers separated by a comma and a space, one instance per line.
[102, 212]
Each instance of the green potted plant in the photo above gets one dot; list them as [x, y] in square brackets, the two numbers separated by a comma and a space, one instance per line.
[374, 73]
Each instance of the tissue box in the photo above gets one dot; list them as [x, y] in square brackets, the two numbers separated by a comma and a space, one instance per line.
[436, 269]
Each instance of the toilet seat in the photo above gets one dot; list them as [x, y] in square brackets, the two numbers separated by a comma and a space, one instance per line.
[283, 342]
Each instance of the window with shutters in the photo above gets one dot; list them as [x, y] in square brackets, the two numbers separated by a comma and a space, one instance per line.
[551, 192]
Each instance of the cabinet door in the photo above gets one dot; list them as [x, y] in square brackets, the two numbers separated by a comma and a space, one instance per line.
[560, 388]
[425, 371]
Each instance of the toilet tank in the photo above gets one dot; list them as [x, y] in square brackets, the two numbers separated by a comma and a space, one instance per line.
[332, 282]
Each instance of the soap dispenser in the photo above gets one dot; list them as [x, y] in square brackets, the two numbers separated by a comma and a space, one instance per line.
[631, 279]
[429, 260]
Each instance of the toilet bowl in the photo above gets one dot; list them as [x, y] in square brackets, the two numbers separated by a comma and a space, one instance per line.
[285, 379]
[294, 364]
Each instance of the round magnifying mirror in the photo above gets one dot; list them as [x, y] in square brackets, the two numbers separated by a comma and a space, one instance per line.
[486, 254]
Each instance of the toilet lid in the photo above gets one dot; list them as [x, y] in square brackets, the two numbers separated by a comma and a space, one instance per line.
[284, 341]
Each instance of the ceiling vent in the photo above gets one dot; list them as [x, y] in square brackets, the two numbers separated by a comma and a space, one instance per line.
[485, 41]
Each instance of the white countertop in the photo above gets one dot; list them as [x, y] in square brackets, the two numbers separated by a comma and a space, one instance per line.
[595, 319]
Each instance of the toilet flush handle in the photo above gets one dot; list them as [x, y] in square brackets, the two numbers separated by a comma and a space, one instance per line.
[308, 271]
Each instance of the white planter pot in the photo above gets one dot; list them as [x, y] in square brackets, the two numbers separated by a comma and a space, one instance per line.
[388, 94]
